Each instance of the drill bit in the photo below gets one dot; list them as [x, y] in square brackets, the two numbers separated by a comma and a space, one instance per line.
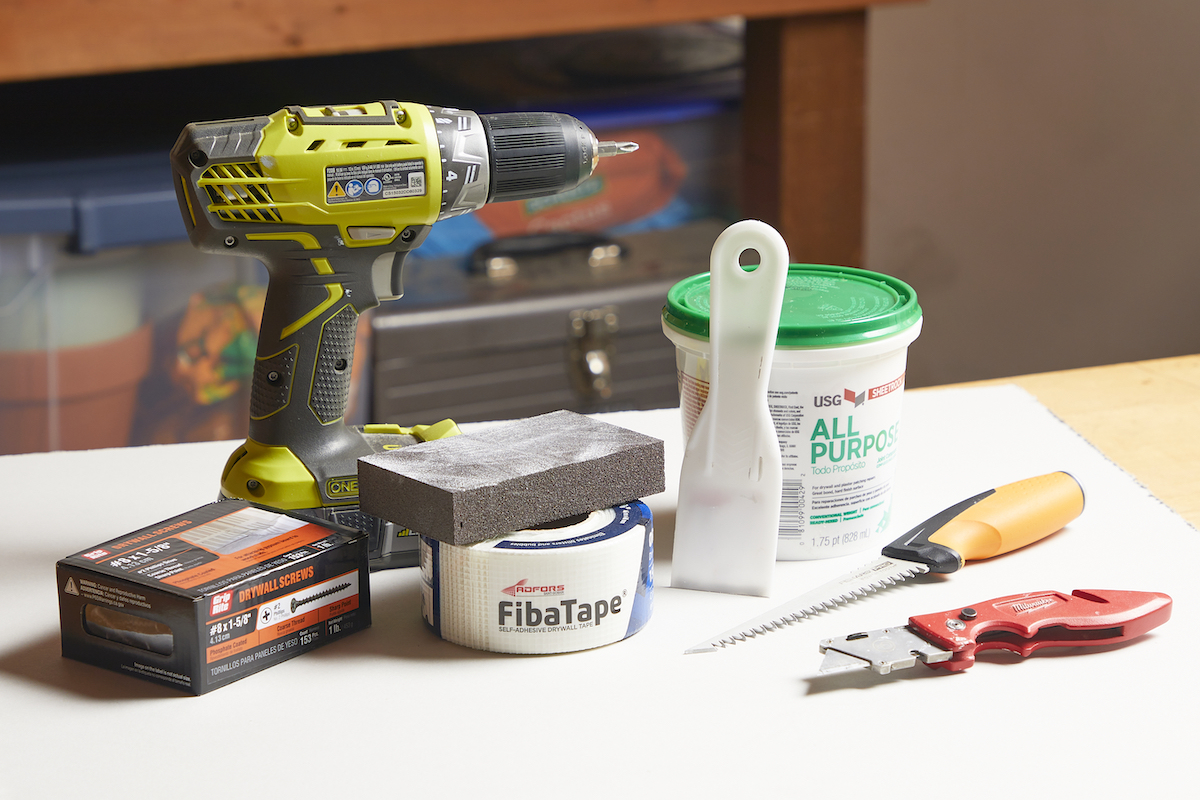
[606, 149]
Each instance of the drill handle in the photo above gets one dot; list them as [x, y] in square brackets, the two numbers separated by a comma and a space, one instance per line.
[301, 383]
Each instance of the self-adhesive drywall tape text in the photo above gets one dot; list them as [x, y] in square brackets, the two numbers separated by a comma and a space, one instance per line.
[580, 583]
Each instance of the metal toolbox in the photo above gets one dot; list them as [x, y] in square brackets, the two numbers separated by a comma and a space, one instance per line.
[541, 332]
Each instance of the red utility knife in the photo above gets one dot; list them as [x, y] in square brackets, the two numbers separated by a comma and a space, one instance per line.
[1021, 623]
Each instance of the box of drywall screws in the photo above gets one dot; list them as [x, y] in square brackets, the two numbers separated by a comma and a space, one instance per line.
[221, 592]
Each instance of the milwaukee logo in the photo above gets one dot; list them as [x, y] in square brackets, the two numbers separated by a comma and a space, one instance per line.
[1033, 605]
[522, 588]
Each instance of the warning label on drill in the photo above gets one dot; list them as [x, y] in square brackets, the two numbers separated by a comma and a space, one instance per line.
[382, 180]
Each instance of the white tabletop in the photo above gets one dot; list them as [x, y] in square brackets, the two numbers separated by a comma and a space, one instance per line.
[396, 711]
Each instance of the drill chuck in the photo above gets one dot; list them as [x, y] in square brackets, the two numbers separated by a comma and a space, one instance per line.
[537, 154]
[489, 158]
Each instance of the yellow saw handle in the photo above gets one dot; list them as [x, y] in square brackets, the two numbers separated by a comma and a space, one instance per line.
[993, 522]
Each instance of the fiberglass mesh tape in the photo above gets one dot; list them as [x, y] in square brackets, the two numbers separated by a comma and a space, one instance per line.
[587, 583]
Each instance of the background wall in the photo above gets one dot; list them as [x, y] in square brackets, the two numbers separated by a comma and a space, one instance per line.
[1034, 171]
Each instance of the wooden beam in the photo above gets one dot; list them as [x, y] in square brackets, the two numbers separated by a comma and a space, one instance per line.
[804, 132]
[58, 38]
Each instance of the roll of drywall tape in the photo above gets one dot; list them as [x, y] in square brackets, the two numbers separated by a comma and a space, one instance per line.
[578, 584]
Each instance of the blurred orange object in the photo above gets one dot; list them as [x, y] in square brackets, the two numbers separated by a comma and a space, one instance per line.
[621, 190]
[76, 398]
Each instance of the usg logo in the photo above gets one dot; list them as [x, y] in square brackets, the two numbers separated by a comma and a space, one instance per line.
[221, 603]
[342, 487]
[96, 554]
[523, 588]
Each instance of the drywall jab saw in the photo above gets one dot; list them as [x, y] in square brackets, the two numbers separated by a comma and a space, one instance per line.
[331, 199]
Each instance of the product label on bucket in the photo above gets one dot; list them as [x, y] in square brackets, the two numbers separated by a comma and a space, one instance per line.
[839, 434]
[838, 449]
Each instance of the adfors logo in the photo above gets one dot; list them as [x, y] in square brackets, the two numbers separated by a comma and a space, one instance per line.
[522, 588]
[221, 603]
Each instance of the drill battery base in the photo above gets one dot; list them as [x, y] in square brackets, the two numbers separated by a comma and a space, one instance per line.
[331, 493]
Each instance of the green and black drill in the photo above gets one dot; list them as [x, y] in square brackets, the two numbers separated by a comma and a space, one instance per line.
[331, 199]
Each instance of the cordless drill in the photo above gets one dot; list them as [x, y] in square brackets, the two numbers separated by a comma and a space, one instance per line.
[331, 199]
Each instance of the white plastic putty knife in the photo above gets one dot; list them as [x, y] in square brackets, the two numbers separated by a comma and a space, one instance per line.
[727, 524]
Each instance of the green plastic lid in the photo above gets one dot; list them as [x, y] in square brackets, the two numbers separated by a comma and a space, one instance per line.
[823, 306]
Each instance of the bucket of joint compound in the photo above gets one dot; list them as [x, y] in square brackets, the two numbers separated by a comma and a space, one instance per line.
[835, 394]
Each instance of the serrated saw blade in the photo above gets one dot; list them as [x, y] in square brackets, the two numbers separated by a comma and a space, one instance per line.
[879, 574]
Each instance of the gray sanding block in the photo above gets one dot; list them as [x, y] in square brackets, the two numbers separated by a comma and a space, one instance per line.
[510, 477]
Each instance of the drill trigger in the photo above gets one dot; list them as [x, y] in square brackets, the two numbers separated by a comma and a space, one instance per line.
[386, 278]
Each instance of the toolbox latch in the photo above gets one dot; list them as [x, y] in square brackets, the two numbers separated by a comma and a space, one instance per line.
[592, 350]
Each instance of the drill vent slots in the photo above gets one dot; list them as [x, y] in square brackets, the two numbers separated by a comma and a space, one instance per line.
[319, 143]
[239, 193]
[374, 143]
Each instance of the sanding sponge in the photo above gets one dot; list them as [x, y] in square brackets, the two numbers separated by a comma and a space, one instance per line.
[510, 477]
